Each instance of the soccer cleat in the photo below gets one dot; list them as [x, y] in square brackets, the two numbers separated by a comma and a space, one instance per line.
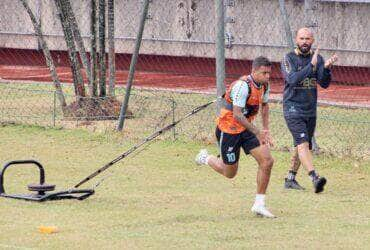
[292, 184]
[319, 184]
[201, 158]
[261, 210]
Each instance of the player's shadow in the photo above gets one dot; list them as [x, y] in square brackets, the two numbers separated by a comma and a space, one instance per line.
[185, 219]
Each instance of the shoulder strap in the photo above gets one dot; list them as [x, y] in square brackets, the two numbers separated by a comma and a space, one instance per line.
[264, 88]
[249, 88]
[229, 106]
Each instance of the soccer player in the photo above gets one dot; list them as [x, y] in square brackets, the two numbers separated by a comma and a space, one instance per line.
[303, 69]
[235, 130]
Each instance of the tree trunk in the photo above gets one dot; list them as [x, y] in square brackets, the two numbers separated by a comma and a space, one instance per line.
[78, 40]
[48, 58]
[93, 56]
[102, 66]
[68, 37]
[111, 55]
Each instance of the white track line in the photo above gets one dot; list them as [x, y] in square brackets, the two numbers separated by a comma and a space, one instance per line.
[14, 247]
[339, 89]
[39, 75]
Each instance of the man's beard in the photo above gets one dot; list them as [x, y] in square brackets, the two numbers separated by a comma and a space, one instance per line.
[305, 48]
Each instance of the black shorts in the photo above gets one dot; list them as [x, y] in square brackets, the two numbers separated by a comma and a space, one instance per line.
[302, 129]
[229, 145]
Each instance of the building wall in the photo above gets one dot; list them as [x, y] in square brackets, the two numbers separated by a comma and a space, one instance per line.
[186, 27]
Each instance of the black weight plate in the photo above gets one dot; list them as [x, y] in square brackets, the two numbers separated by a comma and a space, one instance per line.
[41, 187]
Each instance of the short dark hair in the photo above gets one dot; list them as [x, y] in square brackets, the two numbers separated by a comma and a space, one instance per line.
[261, 61]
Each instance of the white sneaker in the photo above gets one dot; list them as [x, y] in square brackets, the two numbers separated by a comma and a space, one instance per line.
[201, 158]
[261, 210]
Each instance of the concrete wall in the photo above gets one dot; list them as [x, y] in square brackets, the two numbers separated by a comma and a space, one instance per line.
[186, 27]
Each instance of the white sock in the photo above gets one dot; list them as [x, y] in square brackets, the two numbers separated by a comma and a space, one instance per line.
[260, 199]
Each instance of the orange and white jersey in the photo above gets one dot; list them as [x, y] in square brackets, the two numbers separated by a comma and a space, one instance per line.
[248, 95]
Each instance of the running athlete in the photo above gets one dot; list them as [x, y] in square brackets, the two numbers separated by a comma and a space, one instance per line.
[235, 130]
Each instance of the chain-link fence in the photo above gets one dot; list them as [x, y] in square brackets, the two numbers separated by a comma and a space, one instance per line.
[175, 71]
[340, 132]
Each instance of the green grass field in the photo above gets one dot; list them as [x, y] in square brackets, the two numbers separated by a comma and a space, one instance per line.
[159, 199]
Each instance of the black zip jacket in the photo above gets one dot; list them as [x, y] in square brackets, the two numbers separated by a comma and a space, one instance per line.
[301, 79]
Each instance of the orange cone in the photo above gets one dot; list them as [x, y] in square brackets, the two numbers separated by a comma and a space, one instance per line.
[48, 229]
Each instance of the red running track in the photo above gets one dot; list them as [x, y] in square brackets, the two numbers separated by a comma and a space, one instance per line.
[350, 85]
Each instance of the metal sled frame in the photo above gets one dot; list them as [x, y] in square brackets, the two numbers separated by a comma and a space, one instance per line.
[41, 195]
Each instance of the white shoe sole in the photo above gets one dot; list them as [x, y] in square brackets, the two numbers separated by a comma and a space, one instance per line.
[259, 214]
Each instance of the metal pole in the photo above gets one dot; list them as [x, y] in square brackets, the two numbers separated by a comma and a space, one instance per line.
[310, 21]
[309, 14]
[38, 18]
[54, 108]
[133, 64]
[220, 52]
[315, 146]
[173, 117]
[288, 32]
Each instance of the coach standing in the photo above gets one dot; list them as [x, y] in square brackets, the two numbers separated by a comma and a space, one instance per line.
[303, 69]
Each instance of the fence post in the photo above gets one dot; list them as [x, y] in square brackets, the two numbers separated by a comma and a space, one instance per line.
[311, 22]
[133, 64]
[173, 103]
[220, 52]
[54, 107]
[286, 25]
[38, 19]
[309, 14]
